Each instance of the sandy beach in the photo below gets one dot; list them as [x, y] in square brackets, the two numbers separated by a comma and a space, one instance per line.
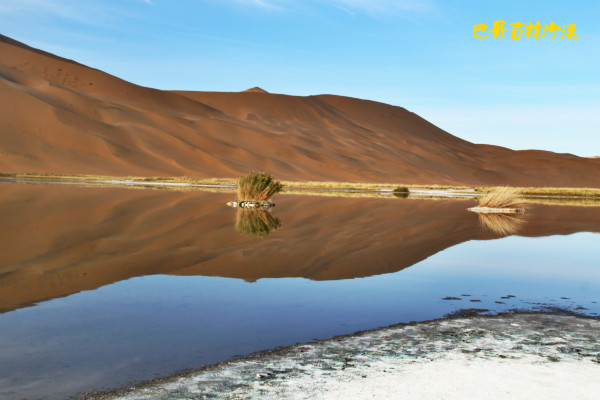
[512, 356]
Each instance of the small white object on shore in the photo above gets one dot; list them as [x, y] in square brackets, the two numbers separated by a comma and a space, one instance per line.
[251, 204]
[497, 210]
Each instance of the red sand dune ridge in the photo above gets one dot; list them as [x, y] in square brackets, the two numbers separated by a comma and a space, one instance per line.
[58, 116]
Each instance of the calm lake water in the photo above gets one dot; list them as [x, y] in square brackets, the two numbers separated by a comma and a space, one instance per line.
[104, 287]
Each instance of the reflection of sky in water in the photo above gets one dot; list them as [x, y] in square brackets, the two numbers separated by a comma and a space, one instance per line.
[567, 266]
[157, 324]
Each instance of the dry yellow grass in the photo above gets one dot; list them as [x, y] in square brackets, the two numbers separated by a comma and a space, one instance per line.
[548, 191]
[196, 181]
[367, 187]
[577, 202]
[374, 195]
[375, 187]
[503, 197]
[257, 186]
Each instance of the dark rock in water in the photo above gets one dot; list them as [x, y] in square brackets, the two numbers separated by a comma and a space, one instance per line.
[251, 205]
[468, 312]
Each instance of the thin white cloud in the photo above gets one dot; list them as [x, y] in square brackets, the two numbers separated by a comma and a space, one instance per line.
[352, 6]
[267, 4]
[75, 10]
[84, 11]
[379, 6]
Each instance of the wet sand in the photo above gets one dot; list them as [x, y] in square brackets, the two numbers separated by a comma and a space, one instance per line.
[512, 356]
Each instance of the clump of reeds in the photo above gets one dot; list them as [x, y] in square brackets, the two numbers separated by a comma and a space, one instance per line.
[401, 191]
[257, 186]
[256, 223]
[503, 197]
[501, 224]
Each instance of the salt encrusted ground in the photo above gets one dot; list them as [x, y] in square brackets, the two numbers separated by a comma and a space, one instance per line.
[515, 356]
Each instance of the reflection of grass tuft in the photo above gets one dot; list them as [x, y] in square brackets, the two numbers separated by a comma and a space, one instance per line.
[256, 223]
[401, 191]
[503, 197]
[257, 186]
[501, 224]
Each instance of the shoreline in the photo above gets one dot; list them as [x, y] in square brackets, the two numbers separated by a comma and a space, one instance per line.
[400, 359]
[588, 196]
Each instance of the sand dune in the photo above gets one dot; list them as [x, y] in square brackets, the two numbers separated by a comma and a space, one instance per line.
[256, 89]
[58, 116]
[59, 240]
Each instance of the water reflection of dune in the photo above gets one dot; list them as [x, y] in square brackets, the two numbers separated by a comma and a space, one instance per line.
[501, 224]
[59, 240]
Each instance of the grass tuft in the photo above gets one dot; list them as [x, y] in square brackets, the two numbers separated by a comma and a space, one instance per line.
[258, 186]
[503, 197]
[401, 191]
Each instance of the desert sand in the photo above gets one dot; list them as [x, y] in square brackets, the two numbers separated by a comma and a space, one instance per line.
[61, 117]
[60, 240]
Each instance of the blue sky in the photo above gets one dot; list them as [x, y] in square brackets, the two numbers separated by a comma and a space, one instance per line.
[420, 55]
